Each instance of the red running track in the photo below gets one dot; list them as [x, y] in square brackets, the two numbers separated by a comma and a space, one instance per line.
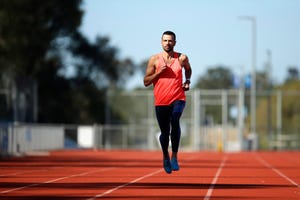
[87, 175]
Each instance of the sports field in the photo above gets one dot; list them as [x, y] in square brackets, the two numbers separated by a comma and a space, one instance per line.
[88, 174]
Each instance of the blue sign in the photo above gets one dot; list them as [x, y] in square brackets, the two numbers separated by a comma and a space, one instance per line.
[248, 81]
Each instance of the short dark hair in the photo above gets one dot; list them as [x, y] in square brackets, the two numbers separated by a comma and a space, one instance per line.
[170, 33]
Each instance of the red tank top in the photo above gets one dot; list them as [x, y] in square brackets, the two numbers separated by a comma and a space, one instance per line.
[168, 87]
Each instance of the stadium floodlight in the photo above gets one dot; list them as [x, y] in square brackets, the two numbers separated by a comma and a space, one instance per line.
[253, 80]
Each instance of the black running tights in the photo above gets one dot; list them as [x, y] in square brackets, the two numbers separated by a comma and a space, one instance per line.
[168, 120]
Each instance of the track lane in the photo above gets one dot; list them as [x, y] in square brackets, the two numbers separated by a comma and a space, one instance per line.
[191, 182]
[246, 177]
[139, 175]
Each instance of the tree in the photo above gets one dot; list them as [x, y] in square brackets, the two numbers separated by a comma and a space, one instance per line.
[39, 40]
[293, 74]
[29, 30]
[291, 107]
[218, 77]
[99, 61]
[267, 107]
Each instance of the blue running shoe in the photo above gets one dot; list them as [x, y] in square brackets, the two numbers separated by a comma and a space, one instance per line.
[174, 164]
[167, 166]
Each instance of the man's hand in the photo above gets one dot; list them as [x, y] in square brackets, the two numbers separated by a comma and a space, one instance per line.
[162, 69]
[186, 85]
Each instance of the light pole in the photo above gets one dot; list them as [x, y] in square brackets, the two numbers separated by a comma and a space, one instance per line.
[253, 81]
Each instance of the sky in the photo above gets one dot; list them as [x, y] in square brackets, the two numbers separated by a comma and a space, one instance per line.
[209, 32]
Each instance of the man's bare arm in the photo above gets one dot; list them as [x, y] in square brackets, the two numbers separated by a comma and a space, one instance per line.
[151, 72]
[187, 71]
[187, 67]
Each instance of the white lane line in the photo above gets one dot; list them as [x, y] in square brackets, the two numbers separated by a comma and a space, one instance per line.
[27, 172]
[266, 164]
[20, 173]
[213, 183]
[54, 180]
[124, 185]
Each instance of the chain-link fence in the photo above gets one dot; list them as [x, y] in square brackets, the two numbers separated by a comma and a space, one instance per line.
[216, 120]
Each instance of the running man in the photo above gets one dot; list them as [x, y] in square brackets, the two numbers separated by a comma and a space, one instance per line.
[164, 71]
